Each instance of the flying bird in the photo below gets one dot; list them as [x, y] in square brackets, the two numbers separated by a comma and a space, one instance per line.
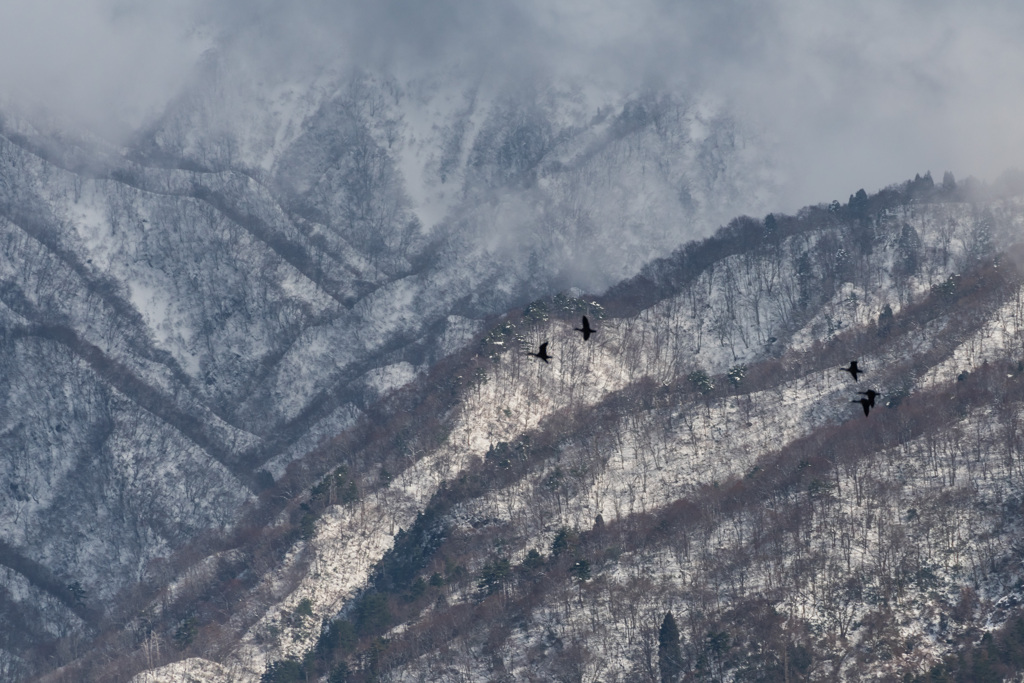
[586, 329]
[543, 353]
[871, 394]
[853, 370]
[866, 403]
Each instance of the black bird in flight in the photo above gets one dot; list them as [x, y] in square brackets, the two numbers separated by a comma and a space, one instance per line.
[871, 394]
[543, 353]
[853, 370]
[866, 403]
[586, 329]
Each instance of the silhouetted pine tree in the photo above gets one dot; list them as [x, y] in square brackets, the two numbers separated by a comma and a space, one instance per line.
[670, 656]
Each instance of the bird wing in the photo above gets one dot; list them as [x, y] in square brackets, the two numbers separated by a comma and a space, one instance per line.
[544, 348]
[586, 323]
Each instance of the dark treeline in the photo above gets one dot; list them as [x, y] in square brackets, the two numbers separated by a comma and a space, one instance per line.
[665, 277]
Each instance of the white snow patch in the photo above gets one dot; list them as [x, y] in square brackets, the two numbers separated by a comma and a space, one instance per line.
[382, 380]
[191, 670]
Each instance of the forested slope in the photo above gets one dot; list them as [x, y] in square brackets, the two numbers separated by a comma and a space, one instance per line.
[184, 315]
[704, 455]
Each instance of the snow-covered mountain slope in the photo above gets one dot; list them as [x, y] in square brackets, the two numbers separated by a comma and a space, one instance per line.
[184, 316]
[703, 454]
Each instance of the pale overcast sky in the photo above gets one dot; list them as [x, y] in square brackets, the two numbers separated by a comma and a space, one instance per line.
[854, 94]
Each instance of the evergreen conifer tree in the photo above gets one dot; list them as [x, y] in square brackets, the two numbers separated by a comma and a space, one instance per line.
[670, 656]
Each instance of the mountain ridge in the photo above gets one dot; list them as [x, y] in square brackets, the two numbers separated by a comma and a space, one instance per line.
[181, 321]
[488, 453]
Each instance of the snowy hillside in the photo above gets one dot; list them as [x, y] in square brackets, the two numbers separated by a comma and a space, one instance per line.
[184, 316]
[703, 454]
[292, 379]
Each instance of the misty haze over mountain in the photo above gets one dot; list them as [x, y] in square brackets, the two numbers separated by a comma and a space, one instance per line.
[848, 96]
[270, 273]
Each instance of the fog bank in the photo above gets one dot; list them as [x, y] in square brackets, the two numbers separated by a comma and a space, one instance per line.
[850, 96]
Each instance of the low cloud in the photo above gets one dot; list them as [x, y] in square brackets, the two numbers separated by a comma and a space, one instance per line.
[851, 95]
[104, 64]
